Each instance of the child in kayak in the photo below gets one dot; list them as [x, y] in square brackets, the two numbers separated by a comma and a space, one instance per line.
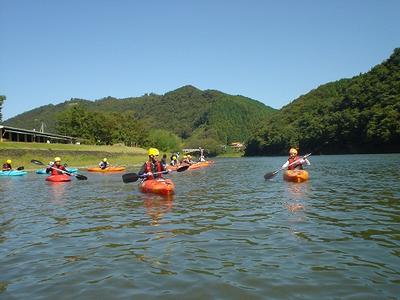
[7, 165]
[56, 168]
[292, 158]
[104, 164]
[152, 168]
[174, 161]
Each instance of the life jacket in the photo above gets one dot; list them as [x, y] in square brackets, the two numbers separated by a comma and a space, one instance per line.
[103, 165]
[6, 167]
[55, 168]
[294, 166]
[150, 168]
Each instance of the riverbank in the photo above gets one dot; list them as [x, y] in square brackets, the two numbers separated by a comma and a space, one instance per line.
[78, 156]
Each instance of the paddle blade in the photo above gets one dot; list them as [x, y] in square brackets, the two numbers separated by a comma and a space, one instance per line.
[37, 162]
[79, 176]
[20, 168]
[130, 177]
[271, 174]
[182, 168]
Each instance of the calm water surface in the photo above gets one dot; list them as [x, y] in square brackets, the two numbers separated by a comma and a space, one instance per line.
[226, 234]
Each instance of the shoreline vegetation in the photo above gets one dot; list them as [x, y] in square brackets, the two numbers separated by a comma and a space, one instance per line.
[77, 156]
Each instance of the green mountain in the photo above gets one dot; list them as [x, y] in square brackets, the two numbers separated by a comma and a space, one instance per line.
[357, 115]
[187, 112]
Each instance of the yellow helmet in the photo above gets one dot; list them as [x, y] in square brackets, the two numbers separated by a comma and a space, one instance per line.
[104, 159]
[189, 156]
[57, 159]
[9, 161]
[153, 152]
[174, 157]
[293, 151]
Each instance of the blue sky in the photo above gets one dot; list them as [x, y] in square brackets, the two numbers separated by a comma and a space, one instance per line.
[271, 51]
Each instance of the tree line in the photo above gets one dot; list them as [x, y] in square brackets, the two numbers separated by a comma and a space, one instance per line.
[357, 115]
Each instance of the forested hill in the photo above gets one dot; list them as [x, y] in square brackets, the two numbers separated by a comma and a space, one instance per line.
[187, 112]
[357, 115]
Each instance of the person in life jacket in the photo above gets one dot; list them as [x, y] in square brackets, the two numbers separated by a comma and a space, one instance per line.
[164, 160]
[152, 168]
[201, 158]
[174, 161]
[104, 164]
[56, 168]
[7, 165]
[187, 160]
[295, 162]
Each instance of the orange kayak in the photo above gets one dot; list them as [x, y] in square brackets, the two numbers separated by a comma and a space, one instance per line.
[171, 168]
[295, 175]
[157, 186]
[109, 169]
[201, 164]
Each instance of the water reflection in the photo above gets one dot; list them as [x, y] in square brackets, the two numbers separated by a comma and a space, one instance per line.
[157, 206]
[296, 195]
[57, 191]
[226, 234]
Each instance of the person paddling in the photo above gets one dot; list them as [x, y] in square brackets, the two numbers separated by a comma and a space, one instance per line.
[292, 158]
[201, 158]
[104, 164]
[164, 160]
[7, 165]
[187, 160]
[174, 161]
[56, 168]
[152, 166]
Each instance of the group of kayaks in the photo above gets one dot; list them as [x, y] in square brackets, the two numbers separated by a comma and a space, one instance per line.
[61, 177]
[159, 186]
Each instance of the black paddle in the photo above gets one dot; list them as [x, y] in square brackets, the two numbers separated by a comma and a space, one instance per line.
[269, 175]
[20, 168]
[132, 177]
[78, 176]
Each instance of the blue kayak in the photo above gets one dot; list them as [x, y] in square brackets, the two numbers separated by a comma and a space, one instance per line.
[13, 173]
[69, 170]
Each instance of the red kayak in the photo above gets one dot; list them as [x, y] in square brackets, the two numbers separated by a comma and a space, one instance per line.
[157, 186]
[59, 178]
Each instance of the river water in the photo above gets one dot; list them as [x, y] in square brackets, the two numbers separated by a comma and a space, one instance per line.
[226, 234]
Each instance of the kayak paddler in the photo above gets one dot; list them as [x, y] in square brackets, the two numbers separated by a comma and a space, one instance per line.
[292, 158]
[55, 167]
[152, 165]
[7, 165]
[104, 164]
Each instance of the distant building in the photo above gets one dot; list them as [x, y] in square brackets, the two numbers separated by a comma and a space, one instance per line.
[12, 134]
[237, 145]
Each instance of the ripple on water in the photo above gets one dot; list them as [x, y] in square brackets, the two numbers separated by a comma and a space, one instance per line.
[227, 233]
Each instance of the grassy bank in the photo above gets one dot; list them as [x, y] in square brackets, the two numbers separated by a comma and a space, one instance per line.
[79, 156]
